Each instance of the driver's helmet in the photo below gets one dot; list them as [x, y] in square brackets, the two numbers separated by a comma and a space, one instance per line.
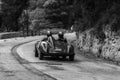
[60, 34]
[49, 33]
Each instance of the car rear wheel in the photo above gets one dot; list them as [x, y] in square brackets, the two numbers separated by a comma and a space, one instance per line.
[71, 57]
[64, 57]
[71, 52]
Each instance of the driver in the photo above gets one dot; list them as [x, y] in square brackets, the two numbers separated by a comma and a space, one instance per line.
[50, 39]
[49, 34]
[61, 37]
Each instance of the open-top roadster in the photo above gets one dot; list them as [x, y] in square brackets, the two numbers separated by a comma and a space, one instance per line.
[60, 49]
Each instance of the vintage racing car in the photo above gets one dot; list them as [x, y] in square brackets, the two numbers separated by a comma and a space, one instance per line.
[60, 49]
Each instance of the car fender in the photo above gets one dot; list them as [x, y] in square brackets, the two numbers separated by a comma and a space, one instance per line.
[44, 46]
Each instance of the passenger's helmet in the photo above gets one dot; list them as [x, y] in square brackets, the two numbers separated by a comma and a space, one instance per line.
[49, 33]
[60, 34]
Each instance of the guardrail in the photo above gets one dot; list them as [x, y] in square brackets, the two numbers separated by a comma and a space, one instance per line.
[26, 34]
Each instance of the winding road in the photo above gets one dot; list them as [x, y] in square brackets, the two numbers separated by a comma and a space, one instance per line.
[17, 62]
[11, 68]
[80, 69]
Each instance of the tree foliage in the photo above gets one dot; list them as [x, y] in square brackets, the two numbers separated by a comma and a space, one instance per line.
[12, 10]
[87, 13]
[57, 11]
[97, 13]
[36, 14]
[84, 14]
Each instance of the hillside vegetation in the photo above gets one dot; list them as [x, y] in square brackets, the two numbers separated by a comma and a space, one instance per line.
[98, 30]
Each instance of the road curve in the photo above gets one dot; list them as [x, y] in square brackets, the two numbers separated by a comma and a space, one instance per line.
[27, 65]
[12, 69]
[80, 69]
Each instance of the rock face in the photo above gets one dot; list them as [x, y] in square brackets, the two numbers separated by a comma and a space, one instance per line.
[110, 49]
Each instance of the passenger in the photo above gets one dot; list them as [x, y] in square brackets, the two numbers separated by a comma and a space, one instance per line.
[61, 37]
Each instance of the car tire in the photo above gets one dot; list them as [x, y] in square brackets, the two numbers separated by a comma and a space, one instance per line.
[71, 58]
[41, 56]
[64, 57]
[71, 53]
[36, 53]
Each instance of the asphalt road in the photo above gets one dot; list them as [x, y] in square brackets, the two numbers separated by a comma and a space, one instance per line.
[11, 68]
[81, 69]
[19, 63]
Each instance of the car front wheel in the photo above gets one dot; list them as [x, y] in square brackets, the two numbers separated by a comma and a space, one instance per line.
[36, 53]
[41, 56]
